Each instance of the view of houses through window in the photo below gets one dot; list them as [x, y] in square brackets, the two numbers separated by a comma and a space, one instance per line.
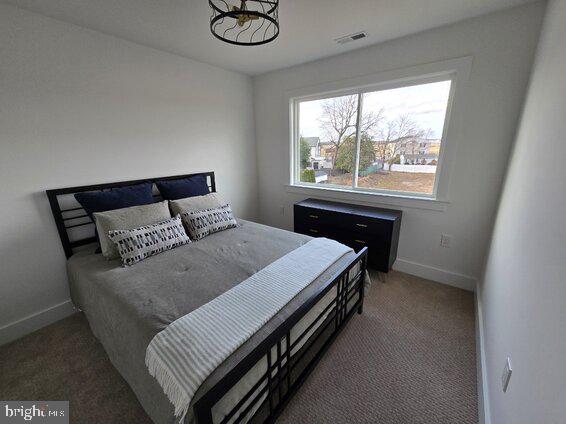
[400, 134]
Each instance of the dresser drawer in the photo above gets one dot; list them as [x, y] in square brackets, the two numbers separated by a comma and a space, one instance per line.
[358, 241]
[362, 225]
[377, 252]
[311, 216]
[355, 241]
[312, 230]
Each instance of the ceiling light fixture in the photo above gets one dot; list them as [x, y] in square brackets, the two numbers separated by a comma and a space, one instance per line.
[252, 23]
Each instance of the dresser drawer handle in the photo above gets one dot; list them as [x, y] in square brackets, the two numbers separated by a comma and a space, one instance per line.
[313, 216]
[313, 231]
[361, 225]
[360, 241]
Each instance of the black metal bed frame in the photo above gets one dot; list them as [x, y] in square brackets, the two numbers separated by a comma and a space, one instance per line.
[75, 216]
[287, 372]
[288, 362]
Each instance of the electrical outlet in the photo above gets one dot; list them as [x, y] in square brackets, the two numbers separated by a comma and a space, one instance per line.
[506, 376]
[445, 240]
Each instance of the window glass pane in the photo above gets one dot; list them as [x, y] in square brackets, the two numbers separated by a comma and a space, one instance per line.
[401, 133]
[327, 133]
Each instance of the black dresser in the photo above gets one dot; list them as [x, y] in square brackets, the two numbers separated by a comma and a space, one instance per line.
[355, 226]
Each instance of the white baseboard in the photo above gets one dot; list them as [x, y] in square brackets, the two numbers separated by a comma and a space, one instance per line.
[35, 321]
[436, 274]
[483, 392]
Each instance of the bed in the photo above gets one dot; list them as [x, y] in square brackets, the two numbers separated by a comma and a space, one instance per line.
[127, 307]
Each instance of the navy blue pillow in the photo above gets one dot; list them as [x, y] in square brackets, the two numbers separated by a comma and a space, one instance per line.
[185, 187]
[116, 198]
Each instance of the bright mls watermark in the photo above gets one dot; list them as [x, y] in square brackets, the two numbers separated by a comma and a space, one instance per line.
[36, 412]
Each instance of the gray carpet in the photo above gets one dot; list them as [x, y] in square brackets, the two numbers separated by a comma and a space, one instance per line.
[410, 358]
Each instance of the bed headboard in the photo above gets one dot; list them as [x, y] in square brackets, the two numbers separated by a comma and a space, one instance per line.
[73, 224]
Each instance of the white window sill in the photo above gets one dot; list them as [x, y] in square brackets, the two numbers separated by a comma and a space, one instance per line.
[369, 197]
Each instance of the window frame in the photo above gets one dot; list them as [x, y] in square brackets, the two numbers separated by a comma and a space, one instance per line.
[455, 70]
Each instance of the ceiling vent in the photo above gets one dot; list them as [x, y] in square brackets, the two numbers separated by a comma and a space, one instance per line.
[351, 37]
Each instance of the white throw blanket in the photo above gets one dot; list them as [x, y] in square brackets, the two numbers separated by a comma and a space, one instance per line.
[183, 355]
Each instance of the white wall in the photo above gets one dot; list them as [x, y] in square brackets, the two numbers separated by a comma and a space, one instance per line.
[484, 119]
[523, 294]
[79, 107]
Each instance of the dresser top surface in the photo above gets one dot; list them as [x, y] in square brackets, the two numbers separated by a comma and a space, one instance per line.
[369, 211]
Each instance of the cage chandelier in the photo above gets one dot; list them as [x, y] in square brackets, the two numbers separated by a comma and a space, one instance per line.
[249, 23]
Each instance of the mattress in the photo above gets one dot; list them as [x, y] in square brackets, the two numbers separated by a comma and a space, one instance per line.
[127, 307]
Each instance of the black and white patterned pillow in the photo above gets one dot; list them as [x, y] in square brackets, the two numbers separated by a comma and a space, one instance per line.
[140, 243]
[208, 221]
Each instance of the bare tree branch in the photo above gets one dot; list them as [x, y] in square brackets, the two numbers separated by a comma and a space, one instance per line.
[338, 121]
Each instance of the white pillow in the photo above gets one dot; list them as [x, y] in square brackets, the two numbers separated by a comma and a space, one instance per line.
[195, 203]
[127, 219]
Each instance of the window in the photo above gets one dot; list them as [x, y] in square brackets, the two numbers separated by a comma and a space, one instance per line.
[384, 140]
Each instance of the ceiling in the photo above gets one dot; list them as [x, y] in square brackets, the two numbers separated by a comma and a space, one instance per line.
[308, 27]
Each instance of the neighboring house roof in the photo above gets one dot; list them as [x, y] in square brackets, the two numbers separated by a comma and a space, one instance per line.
[312, 141]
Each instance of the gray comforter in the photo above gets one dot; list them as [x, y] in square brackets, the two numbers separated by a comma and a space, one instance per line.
[126, 307]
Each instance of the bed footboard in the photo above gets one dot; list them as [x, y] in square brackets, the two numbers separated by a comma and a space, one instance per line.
[289, 358]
